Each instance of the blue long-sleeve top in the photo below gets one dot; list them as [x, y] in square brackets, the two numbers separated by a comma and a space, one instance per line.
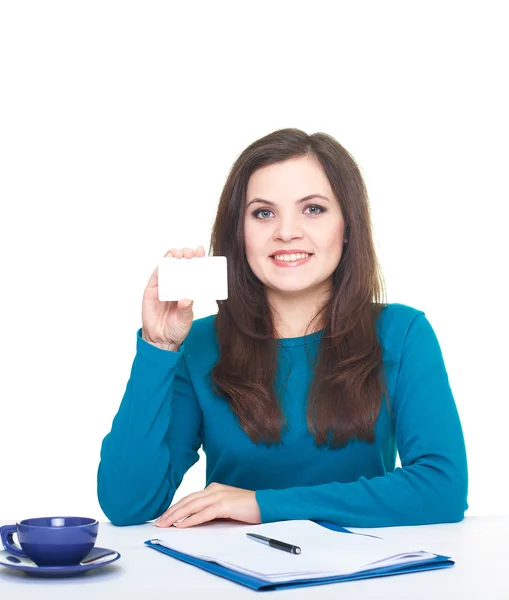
[169, 410]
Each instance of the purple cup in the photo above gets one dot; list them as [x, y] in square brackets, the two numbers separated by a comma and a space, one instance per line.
[51, 541]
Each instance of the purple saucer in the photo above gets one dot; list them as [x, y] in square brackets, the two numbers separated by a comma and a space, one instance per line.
[97, 557]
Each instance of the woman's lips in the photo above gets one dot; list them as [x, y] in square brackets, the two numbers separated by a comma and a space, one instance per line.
[293, 263]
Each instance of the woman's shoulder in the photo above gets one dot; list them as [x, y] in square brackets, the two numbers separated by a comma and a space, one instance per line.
[394, 321]
[397, 316]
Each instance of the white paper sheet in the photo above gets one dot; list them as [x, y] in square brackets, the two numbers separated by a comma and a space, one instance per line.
[324, 552]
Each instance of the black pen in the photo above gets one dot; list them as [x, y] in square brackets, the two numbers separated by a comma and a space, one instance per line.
[274, 543]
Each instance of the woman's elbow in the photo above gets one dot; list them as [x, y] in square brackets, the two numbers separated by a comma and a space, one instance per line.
[123, 514]
[122, 519]
[123, 509]
[451, 502]
[120, 513]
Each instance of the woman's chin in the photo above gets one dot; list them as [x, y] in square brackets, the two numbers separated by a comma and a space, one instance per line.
[290, 287]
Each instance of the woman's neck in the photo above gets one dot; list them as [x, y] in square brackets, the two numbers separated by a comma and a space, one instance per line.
[293, 313]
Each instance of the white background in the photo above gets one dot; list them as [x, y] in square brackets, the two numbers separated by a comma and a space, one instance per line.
[119, 122]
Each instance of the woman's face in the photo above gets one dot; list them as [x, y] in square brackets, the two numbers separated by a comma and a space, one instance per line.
[293, 237]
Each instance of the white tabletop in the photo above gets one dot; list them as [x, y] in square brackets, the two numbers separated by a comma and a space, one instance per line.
[478, 545]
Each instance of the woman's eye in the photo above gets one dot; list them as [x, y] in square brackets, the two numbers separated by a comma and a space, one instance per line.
[264, 213]
[317, 209]
[261, 211]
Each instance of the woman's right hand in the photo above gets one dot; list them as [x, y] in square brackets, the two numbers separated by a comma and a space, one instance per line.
[166, 324]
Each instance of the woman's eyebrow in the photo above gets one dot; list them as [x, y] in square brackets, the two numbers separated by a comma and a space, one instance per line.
[305, 199]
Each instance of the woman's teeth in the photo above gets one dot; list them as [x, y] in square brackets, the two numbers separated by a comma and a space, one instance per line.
[290, 257]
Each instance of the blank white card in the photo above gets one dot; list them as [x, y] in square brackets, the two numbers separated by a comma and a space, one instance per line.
[203, 278]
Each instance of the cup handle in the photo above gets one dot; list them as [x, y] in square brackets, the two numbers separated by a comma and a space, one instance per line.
[6, 533]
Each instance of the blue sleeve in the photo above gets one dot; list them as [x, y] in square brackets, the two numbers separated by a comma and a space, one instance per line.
[431, 484]
[154, 438]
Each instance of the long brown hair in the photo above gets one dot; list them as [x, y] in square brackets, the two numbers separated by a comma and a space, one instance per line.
[346, 392]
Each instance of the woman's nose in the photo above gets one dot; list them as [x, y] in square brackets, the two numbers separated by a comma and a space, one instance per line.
[288, 229]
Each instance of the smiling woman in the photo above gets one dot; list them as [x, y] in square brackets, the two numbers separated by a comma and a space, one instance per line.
[304, 369]
[298, 195]
[293, 234]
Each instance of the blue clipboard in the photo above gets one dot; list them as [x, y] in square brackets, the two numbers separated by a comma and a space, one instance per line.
[438, 562]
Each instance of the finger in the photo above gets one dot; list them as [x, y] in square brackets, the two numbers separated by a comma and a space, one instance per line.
[185, 304]
[154, 278]
[170, 522]
[199, 252]
[191, 508]
[210, 489]
[188, 252]
[208, 514]
[168, 514]
[188, 509]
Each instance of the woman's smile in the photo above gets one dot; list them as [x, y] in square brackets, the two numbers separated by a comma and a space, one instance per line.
[290, 260]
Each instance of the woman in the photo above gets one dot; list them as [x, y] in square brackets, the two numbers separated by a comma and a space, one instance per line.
[304, 385]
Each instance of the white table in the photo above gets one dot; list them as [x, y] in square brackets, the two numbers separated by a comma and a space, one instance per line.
[479, 545]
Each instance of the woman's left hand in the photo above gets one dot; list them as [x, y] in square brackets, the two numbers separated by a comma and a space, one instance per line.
[216, 501]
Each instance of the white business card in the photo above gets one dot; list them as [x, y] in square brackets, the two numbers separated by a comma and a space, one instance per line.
[203, 278]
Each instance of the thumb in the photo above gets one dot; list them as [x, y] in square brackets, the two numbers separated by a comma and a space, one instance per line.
[187, 305]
